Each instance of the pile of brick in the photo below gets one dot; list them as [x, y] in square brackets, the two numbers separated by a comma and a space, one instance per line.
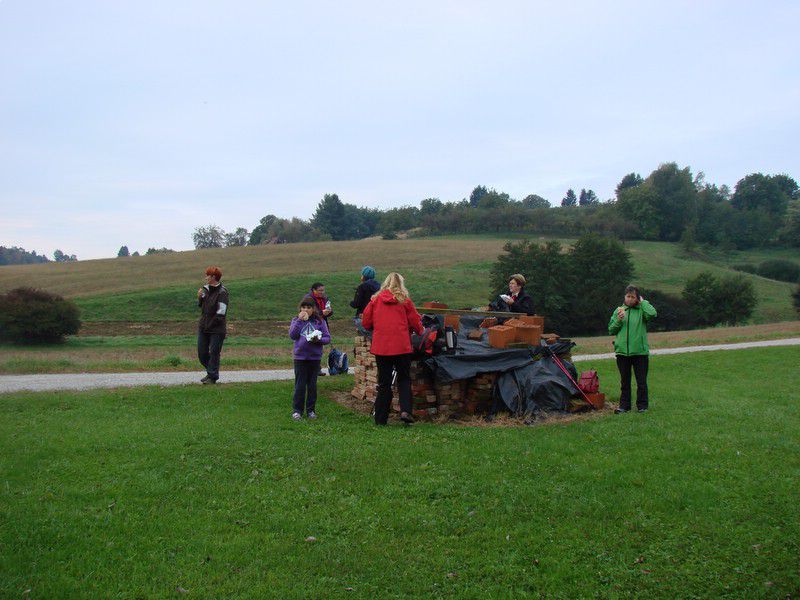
[365, 371]
[433, 400]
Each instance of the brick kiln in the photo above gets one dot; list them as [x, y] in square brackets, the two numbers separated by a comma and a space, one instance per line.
[463, 397]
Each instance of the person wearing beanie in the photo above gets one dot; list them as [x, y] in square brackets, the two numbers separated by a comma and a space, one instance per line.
[365, 290]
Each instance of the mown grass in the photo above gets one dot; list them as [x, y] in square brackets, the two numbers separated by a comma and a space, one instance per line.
[136, 493]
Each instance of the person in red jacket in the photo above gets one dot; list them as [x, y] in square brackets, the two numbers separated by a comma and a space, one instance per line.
[392, 315]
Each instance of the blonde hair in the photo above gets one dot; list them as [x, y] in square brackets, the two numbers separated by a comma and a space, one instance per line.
[395, 283]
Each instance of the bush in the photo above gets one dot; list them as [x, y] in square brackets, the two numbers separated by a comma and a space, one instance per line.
[728, 300]
[780, 269]
[575, 290]
[674, 313]
[746, 268]
[796, 299]
[30, 315]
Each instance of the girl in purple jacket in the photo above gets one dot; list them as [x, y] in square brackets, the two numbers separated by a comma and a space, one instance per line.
[309, 332]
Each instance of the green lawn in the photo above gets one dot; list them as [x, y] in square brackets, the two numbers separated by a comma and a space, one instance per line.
[134, 493]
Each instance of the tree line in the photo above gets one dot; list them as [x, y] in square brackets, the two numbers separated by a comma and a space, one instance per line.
[15, 255]
[670, 204]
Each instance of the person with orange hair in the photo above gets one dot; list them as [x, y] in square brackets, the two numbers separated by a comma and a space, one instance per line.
[212, 299]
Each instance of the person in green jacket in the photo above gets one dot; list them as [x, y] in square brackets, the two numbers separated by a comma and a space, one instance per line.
[629, 324]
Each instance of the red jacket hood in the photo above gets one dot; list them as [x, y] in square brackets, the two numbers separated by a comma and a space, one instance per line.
[387, 296]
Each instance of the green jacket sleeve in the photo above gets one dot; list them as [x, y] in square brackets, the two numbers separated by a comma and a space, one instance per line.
[615, 324]
[648, 310]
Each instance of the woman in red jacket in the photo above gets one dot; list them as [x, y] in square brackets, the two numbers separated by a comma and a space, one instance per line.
[391, 315]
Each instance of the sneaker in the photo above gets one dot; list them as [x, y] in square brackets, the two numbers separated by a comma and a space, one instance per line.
[297, 416]
[312, 415]
[619, 411]
[207, 380]
[642, 410]
[406, 418]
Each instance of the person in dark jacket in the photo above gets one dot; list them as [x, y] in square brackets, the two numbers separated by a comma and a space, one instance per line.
[517, 300]
[365, 290]
[212, 299]
[318, 296]
[392, 315]
[309, 332]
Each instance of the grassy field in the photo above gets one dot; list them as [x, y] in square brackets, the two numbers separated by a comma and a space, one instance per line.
[267, 281]
[216, 492]
[119, 353]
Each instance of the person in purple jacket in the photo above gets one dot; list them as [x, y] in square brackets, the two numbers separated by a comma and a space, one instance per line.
[309, 332]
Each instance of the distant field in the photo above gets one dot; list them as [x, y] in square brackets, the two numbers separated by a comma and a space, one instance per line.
[135, 493]
[267, 281]
[305, 261]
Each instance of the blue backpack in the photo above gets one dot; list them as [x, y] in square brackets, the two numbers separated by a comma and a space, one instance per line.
[337, 362]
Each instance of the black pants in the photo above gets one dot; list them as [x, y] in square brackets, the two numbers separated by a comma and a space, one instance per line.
[639, 365]
[209, 347]
[402, 364]
[305, 385]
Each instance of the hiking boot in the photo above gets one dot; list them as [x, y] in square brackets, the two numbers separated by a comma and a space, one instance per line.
[619, 411]
[406, 418]
[312, 414]
[207, 380]
[297, 416]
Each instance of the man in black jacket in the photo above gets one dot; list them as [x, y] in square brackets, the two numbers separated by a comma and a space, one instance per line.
[365, 290]
[212, 299]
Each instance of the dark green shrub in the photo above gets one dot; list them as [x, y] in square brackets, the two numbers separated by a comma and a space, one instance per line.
[729, 300]
[575, 290]
[796, 299]
[780, 269]
[746, 268]
[674, 313]
[31, 315]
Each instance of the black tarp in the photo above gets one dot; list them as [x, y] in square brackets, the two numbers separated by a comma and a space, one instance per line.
[541, 385]
[525, 384]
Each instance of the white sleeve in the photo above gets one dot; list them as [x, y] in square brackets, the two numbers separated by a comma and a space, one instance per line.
[223, 308]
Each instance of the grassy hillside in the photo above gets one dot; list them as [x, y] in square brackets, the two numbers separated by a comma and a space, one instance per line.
[266, 282]
[185, 269]
[136, 493]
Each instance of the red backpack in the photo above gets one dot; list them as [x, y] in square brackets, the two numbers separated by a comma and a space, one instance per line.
[589, 382]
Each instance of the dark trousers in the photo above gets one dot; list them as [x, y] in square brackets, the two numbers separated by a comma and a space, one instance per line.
[209, 347]
[402, 364]
[639, 365]
[305, 385]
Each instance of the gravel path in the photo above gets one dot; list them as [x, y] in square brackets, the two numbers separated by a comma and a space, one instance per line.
[88, 381]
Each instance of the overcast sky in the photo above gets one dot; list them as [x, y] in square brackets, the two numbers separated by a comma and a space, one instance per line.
[136, 122]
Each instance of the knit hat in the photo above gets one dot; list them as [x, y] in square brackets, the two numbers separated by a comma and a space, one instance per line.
[368, 273]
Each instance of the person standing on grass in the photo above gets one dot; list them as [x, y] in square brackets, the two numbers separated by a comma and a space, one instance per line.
[317, 294]
[392, 315]
[629, 325]
[212, 299]
[365, 290]
[309, 332]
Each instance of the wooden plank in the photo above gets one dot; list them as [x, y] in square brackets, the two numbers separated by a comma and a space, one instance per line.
[454, 311]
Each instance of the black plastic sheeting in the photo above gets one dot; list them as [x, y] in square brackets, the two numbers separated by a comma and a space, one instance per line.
[525, 385]
[541, 385]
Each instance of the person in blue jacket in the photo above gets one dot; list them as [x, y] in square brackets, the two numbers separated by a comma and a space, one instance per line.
[310, 333]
